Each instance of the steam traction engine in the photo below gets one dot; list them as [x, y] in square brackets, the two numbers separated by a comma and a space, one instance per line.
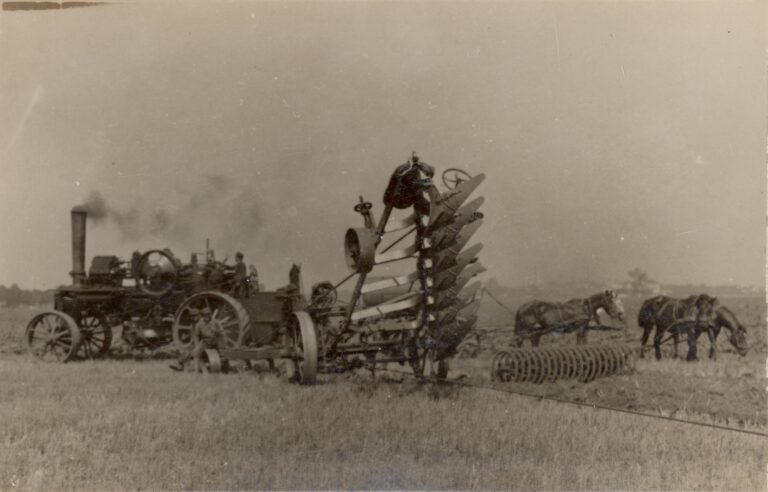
[418, 315]
[141, 295]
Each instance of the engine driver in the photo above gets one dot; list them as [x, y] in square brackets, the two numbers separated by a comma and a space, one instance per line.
[241, 277]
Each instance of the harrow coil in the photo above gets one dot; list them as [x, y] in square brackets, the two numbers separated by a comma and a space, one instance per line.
[584, 363]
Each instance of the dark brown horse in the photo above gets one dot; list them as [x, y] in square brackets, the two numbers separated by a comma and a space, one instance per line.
[691, 315]
[537, 318]
[724, 318]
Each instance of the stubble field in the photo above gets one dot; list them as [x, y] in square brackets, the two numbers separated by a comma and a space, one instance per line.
[132, 424]
[730, 390]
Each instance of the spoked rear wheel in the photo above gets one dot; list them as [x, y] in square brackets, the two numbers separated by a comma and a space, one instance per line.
[224, 308]
[303, 365]
[96, 337]
[53, 336]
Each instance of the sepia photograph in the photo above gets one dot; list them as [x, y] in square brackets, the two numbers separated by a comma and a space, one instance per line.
[383, 245]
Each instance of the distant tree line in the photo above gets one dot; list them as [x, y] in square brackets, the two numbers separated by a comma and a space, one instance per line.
[16, 296]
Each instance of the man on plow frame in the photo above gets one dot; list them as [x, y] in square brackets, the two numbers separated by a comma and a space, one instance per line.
[207, 333]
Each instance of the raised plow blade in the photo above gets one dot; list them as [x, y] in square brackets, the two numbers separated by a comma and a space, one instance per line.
[446, 257]
[456, 278]
[450, 335]
[445, 297]
[450, 296]
[444, 206]
[466, 257]
[445, 266]
[457, 311]
[445, 236]
[583, 363]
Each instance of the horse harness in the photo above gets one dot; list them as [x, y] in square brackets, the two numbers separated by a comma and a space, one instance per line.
[582, 302]
[675, 305]
[563, 319]
[675, 319]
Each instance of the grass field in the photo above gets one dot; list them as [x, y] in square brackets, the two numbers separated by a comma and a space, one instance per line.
[136, 425]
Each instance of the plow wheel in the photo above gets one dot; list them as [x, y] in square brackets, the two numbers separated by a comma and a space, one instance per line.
[96, 337]
[303, 365]
[225, 309]
[54, 336]
[213, 363]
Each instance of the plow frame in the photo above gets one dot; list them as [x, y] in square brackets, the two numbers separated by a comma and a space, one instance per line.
[408, 325]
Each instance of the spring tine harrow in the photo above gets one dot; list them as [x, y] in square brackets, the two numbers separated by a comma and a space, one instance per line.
[584, 363]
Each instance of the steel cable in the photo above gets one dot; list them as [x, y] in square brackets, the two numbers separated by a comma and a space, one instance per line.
[589, 405]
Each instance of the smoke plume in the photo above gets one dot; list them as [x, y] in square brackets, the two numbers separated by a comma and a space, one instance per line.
[212, 207]
[96, 207]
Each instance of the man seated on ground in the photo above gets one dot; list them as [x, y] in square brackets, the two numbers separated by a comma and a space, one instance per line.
[207, 333]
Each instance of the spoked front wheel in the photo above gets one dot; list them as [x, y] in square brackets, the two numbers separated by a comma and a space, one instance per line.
[53, 336]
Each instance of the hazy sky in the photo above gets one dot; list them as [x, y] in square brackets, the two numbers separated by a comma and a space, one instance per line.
[614, 135]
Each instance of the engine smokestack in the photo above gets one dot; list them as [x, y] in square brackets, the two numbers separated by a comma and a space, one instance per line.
[79, 215]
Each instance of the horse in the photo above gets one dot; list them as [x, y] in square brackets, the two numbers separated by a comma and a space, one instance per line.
[724, 317]
[537, 318]
[692, 314]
